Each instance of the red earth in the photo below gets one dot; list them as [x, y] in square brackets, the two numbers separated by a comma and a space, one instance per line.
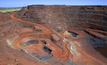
[23, 42]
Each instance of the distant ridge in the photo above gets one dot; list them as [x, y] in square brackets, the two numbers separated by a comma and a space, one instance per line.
[3, 8]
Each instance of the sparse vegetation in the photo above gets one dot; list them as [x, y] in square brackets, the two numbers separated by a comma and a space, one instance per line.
[9, 9]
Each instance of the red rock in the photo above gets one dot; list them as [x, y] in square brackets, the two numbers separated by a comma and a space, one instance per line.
[26, 30]
[56, 38]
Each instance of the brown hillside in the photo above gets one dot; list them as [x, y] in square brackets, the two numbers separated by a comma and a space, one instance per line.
[66, 17]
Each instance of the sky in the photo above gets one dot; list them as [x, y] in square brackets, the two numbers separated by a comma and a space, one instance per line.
[23, 3]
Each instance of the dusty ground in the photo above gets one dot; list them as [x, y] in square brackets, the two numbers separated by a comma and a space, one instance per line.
[38, 35]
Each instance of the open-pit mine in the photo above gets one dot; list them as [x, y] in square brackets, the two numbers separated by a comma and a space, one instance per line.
[54, 35]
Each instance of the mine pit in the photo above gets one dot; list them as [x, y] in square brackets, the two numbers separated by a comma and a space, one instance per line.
[43, 42]
[33, 41]
[98, 43]
[73, 34]
[54, 35]
[46, 49]
[30, 42]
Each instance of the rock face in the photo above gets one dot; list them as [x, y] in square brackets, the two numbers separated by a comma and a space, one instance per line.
[54, 35]
[66, 17]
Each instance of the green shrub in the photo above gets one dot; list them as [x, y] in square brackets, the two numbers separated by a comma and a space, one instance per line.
[9, 9]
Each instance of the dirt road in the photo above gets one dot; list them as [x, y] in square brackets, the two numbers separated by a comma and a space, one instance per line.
[47, 31]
